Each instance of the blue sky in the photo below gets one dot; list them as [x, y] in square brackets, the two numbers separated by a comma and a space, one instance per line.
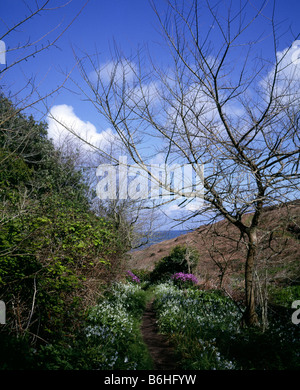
[129, 23]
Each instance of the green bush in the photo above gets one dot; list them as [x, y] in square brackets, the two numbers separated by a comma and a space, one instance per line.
[284, 296]
[142, 274]
[55, 252]
[130, 295]
[180, 259]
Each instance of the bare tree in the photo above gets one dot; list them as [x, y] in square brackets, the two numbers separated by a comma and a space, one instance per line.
[219, 104]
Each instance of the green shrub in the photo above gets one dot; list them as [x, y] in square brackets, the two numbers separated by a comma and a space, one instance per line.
[15, 353]
[55, 251]
[142, 274]
[180, 259]
[284, 296]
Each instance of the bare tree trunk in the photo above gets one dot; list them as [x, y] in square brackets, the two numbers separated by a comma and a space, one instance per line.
[263, 298]
[250, 316]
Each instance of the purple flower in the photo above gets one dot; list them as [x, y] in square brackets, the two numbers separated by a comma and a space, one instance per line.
[133, 277]
[182, 277]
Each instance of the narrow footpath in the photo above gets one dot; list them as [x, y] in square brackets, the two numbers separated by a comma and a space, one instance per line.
[159, 348]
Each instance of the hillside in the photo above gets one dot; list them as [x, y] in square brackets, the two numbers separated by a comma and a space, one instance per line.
[222, 250]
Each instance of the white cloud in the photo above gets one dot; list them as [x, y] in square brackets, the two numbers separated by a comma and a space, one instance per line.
[64, 125]
[118, 71]
[287, 74]
[289, 63]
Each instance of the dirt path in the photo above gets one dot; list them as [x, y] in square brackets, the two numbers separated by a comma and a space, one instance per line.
[159, 348]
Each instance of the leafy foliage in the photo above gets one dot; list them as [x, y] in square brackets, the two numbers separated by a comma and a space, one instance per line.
[283, 296]
[181, 259]
[54, 251]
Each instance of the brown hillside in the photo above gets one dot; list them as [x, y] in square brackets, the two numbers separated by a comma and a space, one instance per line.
[222, 250]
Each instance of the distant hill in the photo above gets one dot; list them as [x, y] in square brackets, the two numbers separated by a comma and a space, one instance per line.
[221, 247]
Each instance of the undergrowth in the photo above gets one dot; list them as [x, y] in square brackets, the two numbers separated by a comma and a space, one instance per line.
[109, 339]
[205, 328]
